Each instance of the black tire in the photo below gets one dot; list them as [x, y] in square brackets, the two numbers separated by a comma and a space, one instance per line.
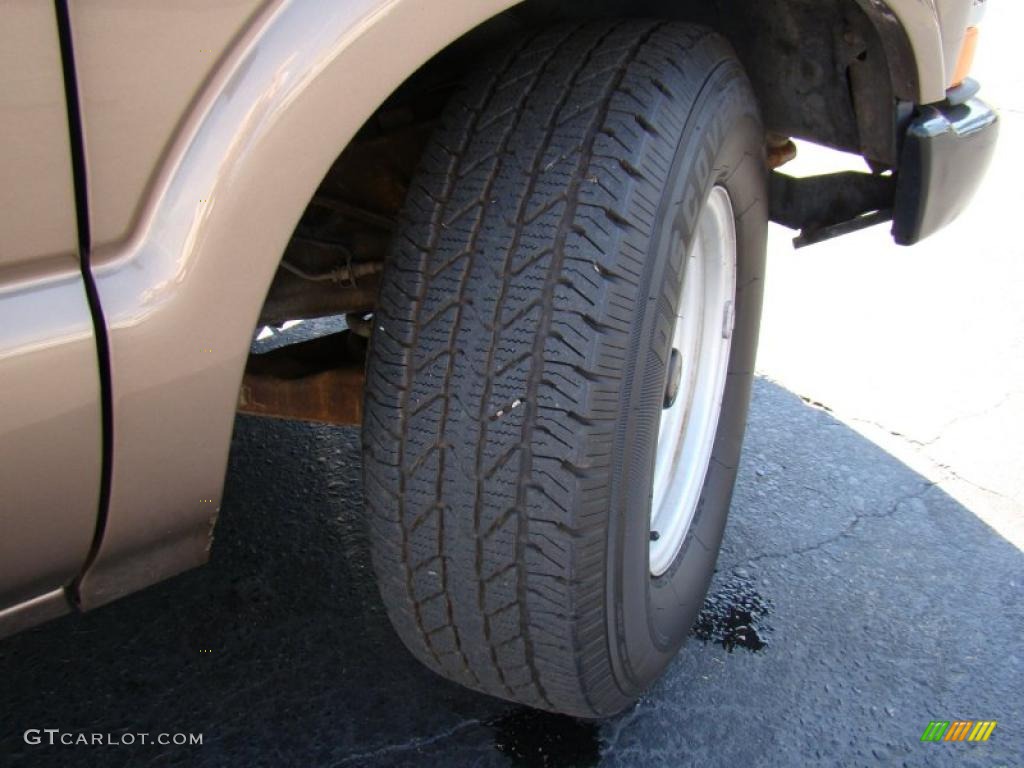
[518, 361]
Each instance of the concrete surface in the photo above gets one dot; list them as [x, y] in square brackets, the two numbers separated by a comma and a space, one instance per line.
[874, 556]
[926, 342]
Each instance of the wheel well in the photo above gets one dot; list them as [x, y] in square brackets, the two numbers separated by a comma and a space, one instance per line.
[819, 69]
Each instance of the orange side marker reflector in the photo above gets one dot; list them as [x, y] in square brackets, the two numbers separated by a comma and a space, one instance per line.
[967, 49]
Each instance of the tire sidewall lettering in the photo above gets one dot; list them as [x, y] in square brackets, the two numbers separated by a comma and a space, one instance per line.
[655, 615]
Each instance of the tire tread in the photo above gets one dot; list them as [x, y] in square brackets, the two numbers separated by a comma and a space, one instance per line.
[495, 373]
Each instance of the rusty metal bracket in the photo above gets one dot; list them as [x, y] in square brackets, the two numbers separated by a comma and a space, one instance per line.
[832, 204]
[321, 380]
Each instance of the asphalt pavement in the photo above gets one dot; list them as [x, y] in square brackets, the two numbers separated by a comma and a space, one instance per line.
[855, 601]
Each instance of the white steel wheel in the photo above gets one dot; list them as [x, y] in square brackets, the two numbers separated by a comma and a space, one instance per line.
[695, 379]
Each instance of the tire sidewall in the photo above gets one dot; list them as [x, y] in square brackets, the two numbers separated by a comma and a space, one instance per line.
[722, 144]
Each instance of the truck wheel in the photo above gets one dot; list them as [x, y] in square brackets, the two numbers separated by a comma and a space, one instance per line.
[561, 362]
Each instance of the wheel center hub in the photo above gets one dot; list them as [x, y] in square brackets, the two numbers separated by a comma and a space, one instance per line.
[675, 374]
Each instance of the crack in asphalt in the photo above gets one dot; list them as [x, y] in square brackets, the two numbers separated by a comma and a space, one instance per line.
[848, 530]
[405, 746]
[940, 433]
[918, 445]
[612, 742]
[946, 473]
[952, 474]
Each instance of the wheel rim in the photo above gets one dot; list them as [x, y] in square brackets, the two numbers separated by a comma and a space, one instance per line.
[701, 340]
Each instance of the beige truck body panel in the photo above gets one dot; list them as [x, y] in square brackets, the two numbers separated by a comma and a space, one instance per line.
[935, 31]
[50, 421]
[37, 197]
[140, 64]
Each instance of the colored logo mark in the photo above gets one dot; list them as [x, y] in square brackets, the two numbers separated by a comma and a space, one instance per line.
[958, 730]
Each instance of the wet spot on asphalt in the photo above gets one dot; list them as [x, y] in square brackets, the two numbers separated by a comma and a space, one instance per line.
[734, 615]
[532, 738]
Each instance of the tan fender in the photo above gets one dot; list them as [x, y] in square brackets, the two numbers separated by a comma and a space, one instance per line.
[922, 39]
[182, 293]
